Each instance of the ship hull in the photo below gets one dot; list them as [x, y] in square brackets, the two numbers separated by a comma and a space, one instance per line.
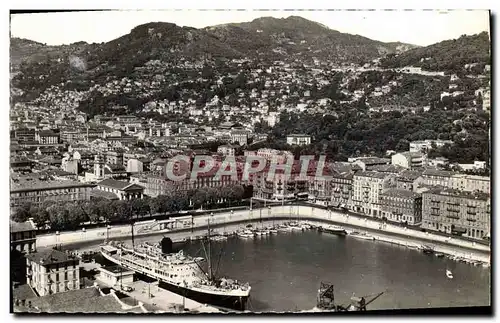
[363, 237]
[234, 302]
[225, 301]
[338, 232]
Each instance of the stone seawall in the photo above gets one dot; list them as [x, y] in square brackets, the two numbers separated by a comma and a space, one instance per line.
[295, 212]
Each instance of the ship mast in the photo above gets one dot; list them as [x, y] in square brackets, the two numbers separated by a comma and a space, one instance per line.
[208, 253]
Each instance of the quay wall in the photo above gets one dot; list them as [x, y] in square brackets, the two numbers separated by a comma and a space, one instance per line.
[295, 212]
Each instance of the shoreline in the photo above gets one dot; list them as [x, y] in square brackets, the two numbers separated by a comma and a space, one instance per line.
[390, 233]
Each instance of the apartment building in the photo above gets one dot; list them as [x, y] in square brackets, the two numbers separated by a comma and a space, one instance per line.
[122, 190]
[463, 182]
[425, 145]
[457, 212]
[367, 187]
[408, 159]
[470, 183]
[52, 271]
[23, 236]
[298, 140]
[341, 189]
[30, 189]
[402, 206]
[226, 150]
[409, 180]
[434, 177]
[367, 163]
[47, 137]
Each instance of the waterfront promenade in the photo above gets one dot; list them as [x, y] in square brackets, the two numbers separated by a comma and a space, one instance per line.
[290, 212]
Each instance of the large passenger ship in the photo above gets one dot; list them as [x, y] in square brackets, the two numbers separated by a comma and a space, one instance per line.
[179, 273]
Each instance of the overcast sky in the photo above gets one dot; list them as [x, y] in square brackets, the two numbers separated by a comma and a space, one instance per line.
[414, 27]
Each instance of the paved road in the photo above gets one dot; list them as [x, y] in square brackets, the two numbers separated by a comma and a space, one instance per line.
[290, 212]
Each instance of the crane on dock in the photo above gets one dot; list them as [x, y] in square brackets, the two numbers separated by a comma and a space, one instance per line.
[360, 303]
[326, 300]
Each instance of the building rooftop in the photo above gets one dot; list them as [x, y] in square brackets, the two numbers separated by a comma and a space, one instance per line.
[412, 154]
[458, 193]
[114, 184]
[409, 175]
[430, 140]
[297, 135]
[373, 160]
[97, 193]
[372, 174]
[387, 168]
[115, 269]
[473, 177]
[21, 226]
[86, 300]
[437, 172]
[34, 182]
[49, 257]
[394, 192]
[47, 133]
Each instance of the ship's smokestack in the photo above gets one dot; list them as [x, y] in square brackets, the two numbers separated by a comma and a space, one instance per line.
[166, 245]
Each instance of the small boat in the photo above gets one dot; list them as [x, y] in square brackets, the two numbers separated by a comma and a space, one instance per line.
[361, 235]
[305, 226]
[439, 255]
[335, 230]
[485, 265]
[218, 238]
[245, 234]
[284, 228]
[413, 246]
[449, 274]
[271, 230]
[427, 249]
[295, 226]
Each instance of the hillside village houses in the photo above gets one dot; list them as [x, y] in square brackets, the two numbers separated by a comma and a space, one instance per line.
[425, 145]
[298, 139]
[132, 149]
[409, 160]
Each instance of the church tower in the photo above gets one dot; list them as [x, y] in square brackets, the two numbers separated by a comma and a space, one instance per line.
[99, 167]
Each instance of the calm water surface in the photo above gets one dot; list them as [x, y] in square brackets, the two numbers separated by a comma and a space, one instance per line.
[285, 271]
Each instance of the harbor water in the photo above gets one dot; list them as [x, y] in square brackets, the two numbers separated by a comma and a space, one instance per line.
[285, 271]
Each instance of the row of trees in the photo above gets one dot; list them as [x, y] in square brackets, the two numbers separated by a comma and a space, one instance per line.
[70, 216]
